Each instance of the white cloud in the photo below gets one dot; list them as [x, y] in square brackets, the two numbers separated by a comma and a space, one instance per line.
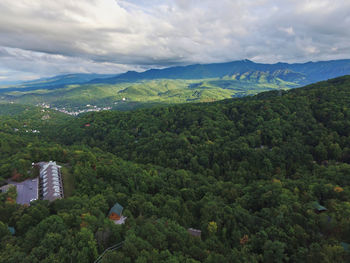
[288, 30]
[51, 37]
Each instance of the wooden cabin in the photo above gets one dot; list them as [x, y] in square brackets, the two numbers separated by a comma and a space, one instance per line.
[12, 230]
[318, 208]
[194, 232]
[116, 212]
[345, 246]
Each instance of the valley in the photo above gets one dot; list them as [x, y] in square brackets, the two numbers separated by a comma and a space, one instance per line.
[174, 85]
[141, 93]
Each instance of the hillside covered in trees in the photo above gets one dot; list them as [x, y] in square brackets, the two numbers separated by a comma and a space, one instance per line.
[250, 173]
[172, 85]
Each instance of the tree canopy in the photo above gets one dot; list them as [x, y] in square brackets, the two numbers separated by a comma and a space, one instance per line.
[246, 172]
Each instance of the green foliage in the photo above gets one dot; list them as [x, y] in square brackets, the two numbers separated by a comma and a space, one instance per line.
[246, 172]
[145, 93]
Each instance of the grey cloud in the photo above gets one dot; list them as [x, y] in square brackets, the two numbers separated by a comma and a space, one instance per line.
[21, 64]
[86, 36]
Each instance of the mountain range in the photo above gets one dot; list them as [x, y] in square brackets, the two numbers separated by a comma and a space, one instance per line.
[302, 73]
[181, 84]
[56, 82]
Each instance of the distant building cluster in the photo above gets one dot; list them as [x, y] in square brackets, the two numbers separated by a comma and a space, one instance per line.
[50, 181]
[32, 131]
[76, 112]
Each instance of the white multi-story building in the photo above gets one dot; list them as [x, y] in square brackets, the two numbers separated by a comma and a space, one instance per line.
[50, 181]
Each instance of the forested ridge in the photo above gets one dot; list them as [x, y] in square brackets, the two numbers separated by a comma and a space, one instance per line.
[285, 130]
[246, 172]
[172, 85]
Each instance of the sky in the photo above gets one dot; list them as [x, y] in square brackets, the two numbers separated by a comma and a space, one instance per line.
[40, 38]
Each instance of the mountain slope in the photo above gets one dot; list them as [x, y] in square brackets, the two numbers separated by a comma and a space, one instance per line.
[146, 92]
[200, 83]
[303, 73]
[56, 82]
[196, 126]
[264, 178]
[204, 126]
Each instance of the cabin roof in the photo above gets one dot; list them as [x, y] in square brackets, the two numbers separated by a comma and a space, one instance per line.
[117, 208]
[316, 205]
[12, 230]
[194, 232]
[346, 246]
[51, 180]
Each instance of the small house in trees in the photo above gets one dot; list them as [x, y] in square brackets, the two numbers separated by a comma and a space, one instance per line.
[345, 246]
[116, 214]
[194, 232]
[12, 230]
[318, 208]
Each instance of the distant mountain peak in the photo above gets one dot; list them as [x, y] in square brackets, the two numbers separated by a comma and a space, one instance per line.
[302, 73]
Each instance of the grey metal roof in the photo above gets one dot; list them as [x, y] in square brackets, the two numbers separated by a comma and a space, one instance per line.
[51, 181]
[117, 208]
[318, 207]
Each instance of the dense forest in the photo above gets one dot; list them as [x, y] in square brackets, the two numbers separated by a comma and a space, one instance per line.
[249, 173]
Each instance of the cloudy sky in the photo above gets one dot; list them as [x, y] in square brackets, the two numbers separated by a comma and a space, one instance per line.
[41, 38]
